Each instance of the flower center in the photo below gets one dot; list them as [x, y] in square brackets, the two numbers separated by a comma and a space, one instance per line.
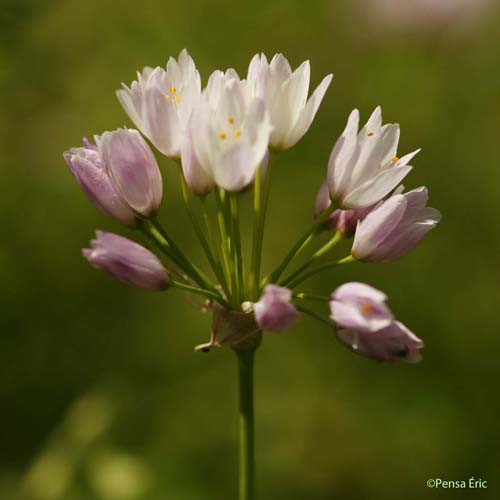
[366, 309]
[223, 135]
[173, 97]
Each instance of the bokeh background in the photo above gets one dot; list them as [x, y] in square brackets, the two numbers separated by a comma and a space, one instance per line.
[101, 394]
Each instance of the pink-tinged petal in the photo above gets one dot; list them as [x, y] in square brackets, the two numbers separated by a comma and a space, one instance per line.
[235, 170]
[197, 178]
[164, 129]
[378, 225]
[308, 113]
[373, 124]
[127, 261]
[274, 312]
[402, 241]
[87, 166]
[281, 67]
[373, 190]
[375, 153]
[391, 344]
[125, 97]
[133, 170]
[404, 160]
[341, 153]
[360, 307]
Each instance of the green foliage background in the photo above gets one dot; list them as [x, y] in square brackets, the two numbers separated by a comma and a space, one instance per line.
[102, 396]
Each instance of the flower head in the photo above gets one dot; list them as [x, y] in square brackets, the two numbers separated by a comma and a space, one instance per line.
[230, 132]
[363, 166]
[394, 227]
[127, 261]
[285, 94]
[160, 102]
[274, 311]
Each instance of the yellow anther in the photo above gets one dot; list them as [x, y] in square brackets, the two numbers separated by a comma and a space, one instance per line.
[370, 134]
[237, 133]
[178, 99]
[394, 159]
[222, 135]
[230, 120]
[173, 90]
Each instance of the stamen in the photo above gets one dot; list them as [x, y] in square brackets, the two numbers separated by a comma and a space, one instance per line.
[369, 134]
[173, 90]
[230, 120]
[366, 309]
[394, 159]
[222, 135]
[178, 99]
[237, 133]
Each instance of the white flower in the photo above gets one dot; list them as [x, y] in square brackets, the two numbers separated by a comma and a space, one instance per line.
[230, 131]
[160, 102]
[363, 167]
[285, 94]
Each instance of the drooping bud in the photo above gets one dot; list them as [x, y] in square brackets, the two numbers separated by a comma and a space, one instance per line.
[127, 261]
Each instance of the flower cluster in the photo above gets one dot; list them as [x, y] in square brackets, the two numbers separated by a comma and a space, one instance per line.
[224, 139]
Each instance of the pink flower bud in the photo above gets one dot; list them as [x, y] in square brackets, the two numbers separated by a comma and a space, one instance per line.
[394, 227]
[274, 312]
[133, 170]
[127, 261]
[87, 165]
[366, 325]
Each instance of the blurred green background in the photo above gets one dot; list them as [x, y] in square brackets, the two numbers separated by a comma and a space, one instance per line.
[101, 394]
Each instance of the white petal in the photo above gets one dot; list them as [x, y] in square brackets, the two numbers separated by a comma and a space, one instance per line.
[373, 190]
[308, 113]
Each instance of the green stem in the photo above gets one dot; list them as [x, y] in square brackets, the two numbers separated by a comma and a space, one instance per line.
[234, 205]
[317, 255]
[154, 228]
[320, 268]
[299, 245]
[314, 315]
[246, 425]
[261, 202]
[213, 244]
[198, 230]
[200, 291]
[224, 239]
[311, 296]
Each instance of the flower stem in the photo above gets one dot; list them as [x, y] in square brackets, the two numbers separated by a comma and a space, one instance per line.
[311, 296]
[246, 425]
[299, 245]
[234, 206]
[317, 255]
[200, 291]
[261, 201]
[198, 230]
[224, 239]
[315, 315]
[320, 268]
